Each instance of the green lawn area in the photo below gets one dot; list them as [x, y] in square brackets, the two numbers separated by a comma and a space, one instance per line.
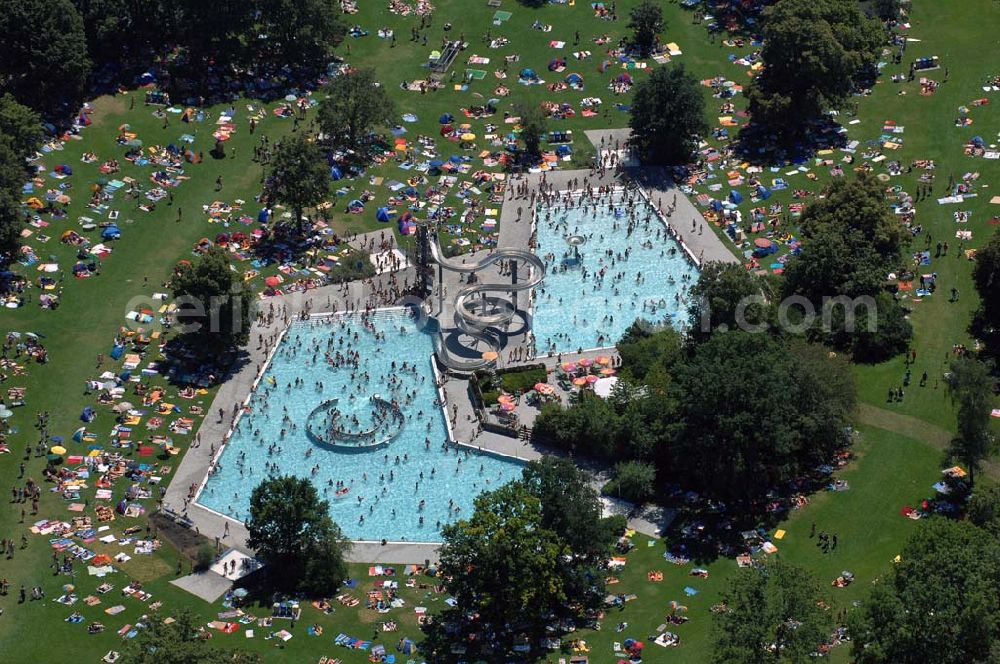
[892, 470]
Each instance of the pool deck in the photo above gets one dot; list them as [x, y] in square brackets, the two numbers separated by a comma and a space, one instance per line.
[237, 386]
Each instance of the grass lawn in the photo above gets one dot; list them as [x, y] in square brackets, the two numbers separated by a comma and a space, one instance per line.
[892, 470]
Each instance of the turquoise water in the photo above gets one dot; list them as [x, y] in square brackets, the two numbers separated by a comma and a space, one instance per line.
[411, 467]
[590, 302]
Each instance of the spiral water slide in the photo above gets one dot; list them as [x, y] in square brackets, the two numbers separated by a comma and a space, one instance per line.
[477, 325]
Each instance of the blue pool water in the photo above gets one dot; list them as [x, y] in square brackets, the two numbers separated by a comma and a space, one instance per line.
[590, 303]
[389, 504]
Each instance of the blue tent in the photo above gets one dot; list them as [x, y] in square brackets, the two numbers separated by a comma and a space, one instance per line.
[735, 196]
[455, 159]
[383, 214]
[88, 414]
[528, 74]
[112, 232]
[563, 150]
[117, 351]
[446, 118]
[763, 192]
[574, 79]
[336, 173]
[78, 434]
[715, 205]
[436, 163]
[263, 216]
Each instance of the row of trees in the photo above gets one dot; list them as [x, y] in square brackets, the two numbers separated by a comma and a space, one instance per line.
[50, 46]
[702, 411]
[20, 137]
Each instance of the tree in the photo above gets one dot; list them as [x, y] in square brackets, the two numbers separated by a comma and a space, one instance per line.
[292, 532]
[11, 223]
[20, 128]
[971, 387]
[644, 350]
[726, 297]
[180, 642]
[940, 603]
[571, 508]
[504, 567]
[213, 297]
[45, 63]
[814, 55]
[773, 614]
[984, 508]
[851, 242]
[668, 116]
[532, 132]
[299, 176]
[301, 32]
[986, 276]
[634, 481]
[355, 105]
[731, 441]
[107, 24]
[646, 23]
[887, 9]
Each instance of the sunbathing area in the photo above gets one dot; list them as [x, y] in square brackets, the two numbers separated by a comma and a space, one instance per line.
[534, 331]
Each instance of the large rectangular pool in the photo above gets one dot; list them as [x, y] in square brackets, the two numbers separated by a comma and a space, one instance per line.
[382, 464]
[625, 266]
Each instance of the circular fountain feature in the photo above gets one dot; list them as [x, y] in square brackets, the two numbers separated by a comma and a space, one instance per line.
[575, 242]
[329, 427]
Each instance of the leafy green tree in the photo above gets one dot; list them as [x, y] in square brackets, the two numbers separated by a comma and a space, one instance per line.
[180, 642]
[634, 481]
[571, 508]
[532, 129]
[355, 106]
[940, 603]
[45, 63]
[292, 532]
[217, 30]
[585, 428]
[887, 9]
[772, 615]
[11, 224]
[984, 508]
[301, 31]
[986, 276]
[299, 176]
[109, 25]
[851, 242]
[213, 303]
[643, 349]
[726, 297]
[668, 116]
[20, 128]
[504, 567]
[646, 23]
[814, 56]
[731, 440]
[971, 386]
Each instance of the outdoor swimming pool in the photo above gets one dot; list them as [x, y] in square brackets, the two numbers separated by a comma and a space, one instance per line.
[392, 361]
[589, 302]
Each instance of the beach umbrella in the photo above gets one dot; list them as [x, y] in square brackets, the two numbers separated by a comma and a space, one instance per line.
[468, 137]
[272, 281]
[490, 355]
[607, 371]
[68, 588]
[436, 163]
[580, 382]
[591, 379]
[123, 407]
[603, 359]
[5, 412]
[586, 362]
[57, 439]
[58, 449]
[568, 367]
